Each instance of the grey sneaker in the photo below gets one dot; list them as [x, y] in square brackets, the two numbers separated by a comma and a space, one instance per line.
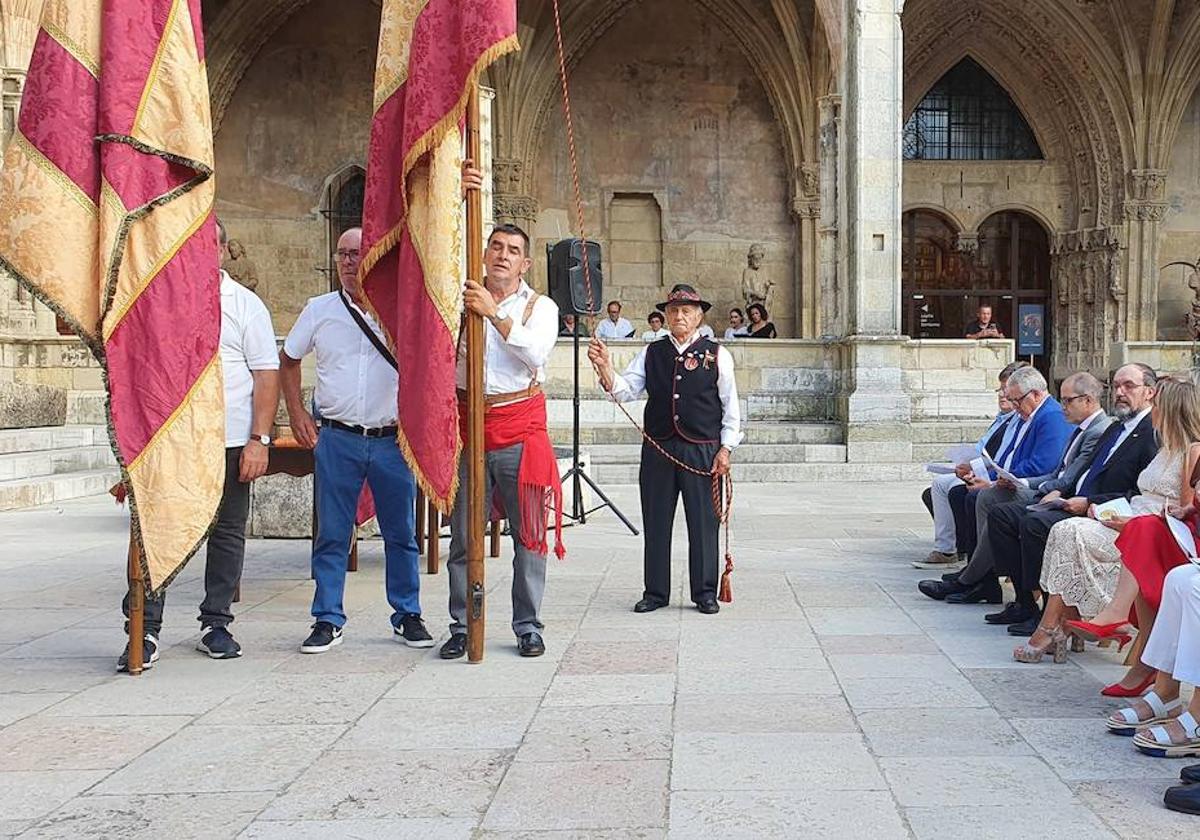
[937, 560]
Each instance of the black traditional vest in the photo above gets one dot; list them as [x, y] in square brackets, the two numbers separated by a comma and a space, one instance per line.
[682, 392]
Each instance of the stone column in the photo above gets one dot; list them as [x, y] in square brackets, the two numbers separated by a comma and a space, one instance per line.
[875, 407]
[831, 294]
[806, 213]
[511, 204]
[1144, 212]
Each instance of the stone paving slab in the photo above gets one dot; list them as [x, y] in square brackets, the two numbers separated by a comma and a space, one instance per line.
[830, 699]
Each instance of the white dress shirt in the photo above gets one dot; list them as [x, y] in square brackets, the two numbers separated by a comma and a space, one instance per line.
[740, 332]
[609, 330]
[1076, 442]
[247, 344]
[355, 384]
[632, 384]
[655, 335]
[1129, 425]
[510, 365]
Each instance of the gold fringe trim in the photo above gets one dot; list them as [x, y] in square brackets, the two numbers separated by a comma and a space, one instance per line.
[445, 505]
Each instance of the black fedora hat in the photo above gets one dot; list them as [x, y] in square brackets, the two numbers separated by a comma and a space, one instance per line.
[683, 293]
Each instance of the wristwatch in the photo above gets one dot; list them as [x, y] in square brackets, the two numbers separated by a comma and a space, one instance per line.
[265, 440]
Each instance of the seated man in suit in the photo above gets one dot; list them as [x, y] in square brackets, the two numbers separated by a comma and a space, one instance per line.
[1036, 449]
[949, 547]
[1080, 394]
[1018, 536]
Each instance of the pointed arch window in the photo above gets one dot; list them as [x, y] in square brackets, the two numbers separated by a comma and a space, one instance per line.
[967, 115]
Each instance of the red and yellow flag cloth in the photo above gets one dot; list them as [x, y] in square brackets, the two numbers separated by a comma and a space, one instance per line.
[431, 53]
[106, 201]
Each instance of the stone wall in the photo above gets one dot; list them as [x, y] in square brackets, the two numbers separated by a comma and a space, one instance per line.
[970, 191]
[670, 116]
[300, 115]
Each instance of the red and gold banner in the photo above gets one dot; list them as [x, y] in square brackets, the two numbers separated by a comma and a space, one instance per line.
[431, 53]
[106, 200]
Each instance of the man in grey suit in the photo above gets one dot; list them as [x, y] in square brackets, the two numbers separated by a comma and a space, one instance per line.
[1080, 396]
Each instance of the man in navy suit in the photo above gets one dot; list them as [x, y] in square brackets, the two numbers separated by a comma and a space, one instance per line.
[1035, 451]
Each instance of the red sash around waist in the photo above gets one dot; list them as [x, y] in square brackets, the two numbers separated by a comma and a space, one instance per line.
[538, 484]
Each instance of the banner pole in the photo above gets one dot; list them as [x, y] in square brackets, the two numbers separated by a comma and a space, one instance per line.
[476, 512]
[137, 606]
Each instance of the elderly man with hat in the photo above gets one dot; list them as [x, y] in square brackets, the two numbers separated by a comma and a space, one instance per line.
[692, 418]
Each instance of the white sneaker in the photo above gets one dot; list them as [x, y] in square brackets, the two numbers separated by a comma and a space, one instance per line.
[939, 560]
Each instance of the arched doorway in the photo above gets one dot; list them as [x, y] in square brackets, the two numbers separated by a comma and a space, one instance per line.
[343, 209]
[947, 276]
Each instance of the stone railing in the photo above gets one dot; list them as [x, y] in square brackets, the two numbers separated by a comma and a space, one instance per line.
[1163, 356]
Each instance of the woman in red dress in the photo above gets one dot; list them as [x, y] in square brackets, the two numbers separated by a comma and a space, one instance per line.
[1148, 552]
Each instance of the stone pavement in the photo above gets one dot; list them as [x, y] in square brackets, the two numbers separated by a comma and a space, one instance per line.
[829, 700]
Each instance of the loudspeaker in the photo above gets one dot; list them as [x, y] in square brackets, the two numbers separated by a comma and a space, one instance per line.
[564, 277]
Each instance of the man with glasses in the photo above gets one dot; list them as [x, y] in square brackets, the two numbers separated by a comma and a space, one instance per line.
[1035, 451]
[354, 438]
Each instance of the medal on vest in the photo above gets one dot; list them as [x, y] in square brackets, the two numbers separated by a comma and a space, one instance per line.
[690, 362]
[709, 359]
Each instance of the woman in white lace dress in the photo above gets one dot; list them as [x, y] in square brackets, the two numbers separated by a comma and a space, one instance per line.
[1082, 563]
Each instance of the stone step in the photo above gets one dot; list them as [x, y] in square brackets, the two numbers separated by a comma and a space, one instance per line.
[49, 438]
[769, 453]
[45, 490]
[764, 407]
[612, 474]
[17, 465]
[591, 434]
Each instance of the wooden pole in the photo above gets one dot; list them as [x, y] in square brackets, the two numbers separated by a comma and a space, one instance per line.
[137, 607]
[476, 512]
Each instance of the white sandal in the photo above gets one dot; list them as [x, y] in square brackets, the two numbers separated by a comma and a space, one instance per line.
[1126, 721]
[1156, 741]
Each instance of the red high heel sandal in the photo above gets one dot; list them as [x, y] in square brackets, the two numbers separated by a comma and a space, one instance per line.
[1118, 690]
[1097, 632]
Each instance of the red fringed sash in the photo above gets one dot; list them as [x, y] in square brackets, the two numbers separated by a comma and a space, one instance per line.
[538, 484]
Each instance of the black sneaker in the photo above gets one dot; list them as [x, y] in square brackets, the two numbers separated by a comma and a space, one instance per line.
[149, 654]
[323, 636]
[412, 631]
[455, 647]
[218, 643]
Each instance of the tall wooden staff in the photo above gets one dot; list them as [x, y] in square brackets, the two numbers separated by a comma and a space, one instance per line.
[476, 512]
[137, 607]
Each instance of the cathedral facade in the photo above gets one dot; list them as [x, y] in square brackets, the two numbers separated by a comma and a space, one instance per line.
[883, 167]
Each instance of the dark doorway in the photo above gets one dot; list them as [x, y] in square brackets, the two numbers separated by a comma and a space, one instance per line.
[343, 210]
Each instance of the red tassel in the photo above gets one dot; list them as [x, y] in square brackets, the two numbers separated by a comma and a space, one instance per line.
[725, 593]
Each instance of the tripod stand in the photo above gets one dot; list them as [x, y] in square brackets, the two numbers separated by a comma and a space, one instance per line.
[576, 473]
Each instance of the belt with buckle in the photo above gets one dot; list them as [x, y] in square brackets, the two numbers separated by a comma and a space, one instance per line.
[386, 431]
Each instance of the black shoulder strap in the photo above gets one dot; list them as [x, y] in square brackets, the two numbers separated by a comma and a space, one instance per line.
[369, 333]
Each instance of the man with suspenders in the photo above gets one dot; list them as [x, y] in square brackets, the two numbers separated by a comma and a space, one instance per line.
[519, 468]
[356, 442]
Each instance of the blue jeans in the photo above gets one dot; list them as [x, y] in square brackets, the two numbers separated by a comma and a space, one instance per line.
[343, 461]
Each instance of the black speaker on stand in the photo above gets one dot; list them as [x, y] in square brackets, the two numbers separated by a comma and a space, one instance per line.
[569, 288]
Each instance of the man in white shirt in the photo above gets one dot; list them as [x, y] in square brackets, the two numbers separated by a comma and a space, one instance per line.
[355, 400]
[692, 412]
[614, 326]
[519, 463]
[250, 370]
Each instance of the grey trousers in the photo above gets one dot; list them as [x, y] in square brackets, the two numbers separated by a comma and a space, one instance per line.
[529, 567]
[983, 562]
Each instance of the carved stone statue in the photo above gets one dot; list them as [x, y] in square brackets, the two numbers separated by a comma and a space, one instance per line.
[1192, 319]
[239, 266]
[756, 286]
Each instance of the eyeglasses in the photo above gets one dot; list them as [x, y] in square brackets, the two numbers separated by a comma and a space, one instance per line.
[342, 254]
[1069, 400]
[1020, 399]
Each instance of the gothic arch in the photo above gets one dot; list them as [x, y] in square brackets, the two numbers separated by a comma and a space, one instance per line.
[948, 216]
[1019, 207]
[235, 38]
[529, 90]
[1083, 124]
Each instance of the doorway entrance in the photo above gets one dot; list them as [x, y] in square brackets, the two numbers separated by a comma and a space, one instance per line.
[1009, 270]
